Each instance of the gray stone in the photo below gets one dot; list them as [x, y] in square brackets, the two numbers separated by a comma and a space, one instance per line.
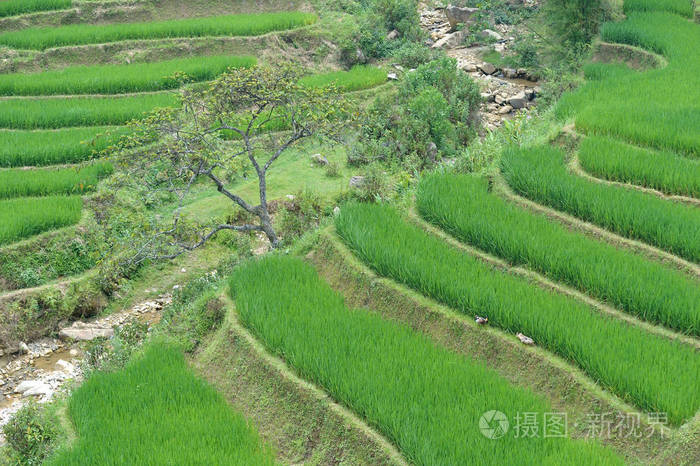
[519, 100]
[392, 77]
[85, 332]
[38, 390]
[27, 385]
[499, 99]
[393, 35]
[510, 73]
[487, 68]
[432, 151]
[319, 159]
[336, 211]
[505, 110]
[23, 348]
[450, 40]
[486, 97]
[469, 67]
[357, 181]
[456, 15]
[489, 34]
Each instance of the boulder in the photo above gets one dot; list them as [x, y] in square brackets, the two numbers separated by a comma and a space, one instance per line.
[456, 15]
[510, 73]
[450, 40]
[505, 110]
[336, 211]
[318, 159]
[489, 34]
[393, 35]
[392, 77]
[519, 100]
[487, 68]
[85, 332]
[41, 389]
[432, 151]
[486, 97]
[469, 67]
[499, 99]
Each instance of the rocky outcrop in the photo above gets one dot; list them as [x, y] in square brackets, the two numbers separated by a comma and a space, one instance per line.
[85, 332]
[458, 15]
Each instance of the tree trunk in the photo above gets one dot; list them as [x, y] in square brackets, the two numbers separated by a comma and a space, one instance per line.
[266, 224]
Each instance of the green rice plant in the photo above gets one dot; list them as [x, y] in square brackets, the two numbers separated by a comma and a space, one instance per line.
[679, 7]
[120, 79]
[46, 181]
[653, 292]
[424, 398]
[20, 148]
[358, 78]
[156, 411]
[229, 25]
[655, 373]
[656, 108]
[27, 216]
[616, 161]
[540, 175]
[59, 112]
[18, 7]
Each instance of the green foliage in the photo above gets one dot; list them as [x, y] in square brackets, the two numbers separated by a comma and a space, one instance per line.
[23, 217]
[437, 103]
[120, 79]
[20, 148]
[358, 78]
[653, 292]
[679, 7]
[58, 112]
[420, 395]
[616, 161]
[18, 7]
[540, 175]
[575, 21]
[413, 54]
[651, 371]
[655, 108]
[301, 214]
[32, 434]
[46, 181]
[128, 416]
[81, 34]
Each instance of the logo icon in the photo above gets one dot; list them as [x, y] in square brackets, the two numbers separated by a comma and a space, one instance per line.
[493, 424]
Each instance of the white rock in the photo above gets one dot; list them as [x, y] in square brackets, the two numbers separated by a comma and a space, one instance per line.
[27, 385]
[392, 77]
[64, 365]
[41, 389]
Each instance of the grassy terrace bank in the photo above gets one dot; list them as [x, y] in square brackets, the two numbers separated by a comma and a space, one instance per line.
[60, 112]
[18, 7]
[656, 108]
[655, 373]
[540, 175]
[653, 292]
[21, 148]
[43, 182]
[664, 171]
[120, 79]
[156, 411]
[23, 217]
[418, 394]
[229, 25]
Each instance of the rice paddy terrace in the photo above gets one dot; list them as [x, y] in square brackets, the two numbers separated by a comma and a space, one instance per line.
[582, 253]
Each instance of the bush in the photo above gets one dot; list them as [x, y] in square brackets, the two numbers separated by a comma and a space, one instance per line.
[434, 112]
[412, 55]
[32, 434]
[575, 21]
[301, 214]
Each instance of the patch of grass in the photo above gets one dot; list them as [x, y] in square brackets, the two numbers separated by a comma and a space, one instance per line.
[23, 217]
[539, 174]
[19, 148]
[358, 78]
[46, 181]
[156, 411]
[59, 112]
[120, 79]
[229, 25]
[18, 7]
[418, 394]
[616, 161]
[655, 108]
[653, 292]
[679, 7]
[653, 372]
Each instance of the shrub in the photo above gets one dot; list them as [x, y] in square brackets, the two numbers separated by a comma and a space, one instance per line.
[436, 104]
[412, 54]
[32, 434]
[301, 214]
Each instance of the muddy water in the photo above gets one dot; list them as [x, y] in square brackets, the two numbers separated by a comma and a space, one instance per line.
[48, 363]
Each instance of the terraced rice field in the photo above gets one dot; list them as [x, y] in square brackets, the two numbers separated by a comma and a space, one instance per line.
[132, 415]
[18, 7]
[418, 394]
[654, 292]
[653, 372]
[82, 34]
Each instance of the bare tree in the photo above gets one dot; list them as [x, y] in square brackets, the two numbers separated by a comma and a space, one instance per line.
[242, 122]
